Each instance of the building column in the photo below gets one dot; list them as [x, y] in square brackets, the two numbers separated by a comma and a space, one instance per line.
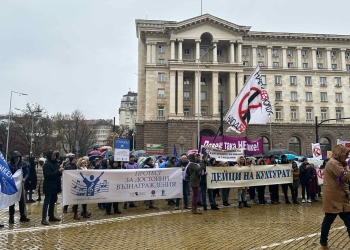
[240, 81]
[328, 58]
[254, 55]
[149, 53]
[215, 52]
[197, 89]
[284, 58]
[198, 43]
[215, 93]
[172, 94]
[180, 93]
[269, 57]
[343, 63]
[314, 62]
[232, 88]
[172, 49]
[154, 51]
[179, 52]
[299, 58]
[232, 52]
[239, 52]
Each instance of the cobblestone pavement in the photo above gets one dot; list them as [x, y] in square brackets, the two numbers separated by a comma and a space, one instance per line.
[259, 227]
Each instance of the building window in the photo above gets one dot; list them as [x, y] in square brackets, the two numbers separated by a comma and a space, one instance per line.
[202, 51]
[323, 81]
[338, 113]
[161, 93]
[337, 82]
[308, 114]
[186, 52]
[186, 111]
[325, 144]
[278, 95]
[127, 120]
[290, 65]
[278, 80]
[261, 64]
[160, 111]
[293, 80]
[324, 114]
[304, 53]
[318, 53]
[275, 64]
[347, 55]
[293, 96]
[334, 66]
[219, 52]
[245, 52]
[246, 63]
[348, 67]
[186, 95]
[204, 111]
[161, 48]
[320, 65]
[186, 81]
[275, 52]
[308, 81]
[263, 79]
[245, 78]
[305, 65]
[323, 96]
[203, 96]
[338, 97]
[309, 96]
[220, 96]
[279, 113]
[202, 80]
[289, 52]
[260, 52]
[161, 77]
[293, 113]
[333, 54]
[266, 145]
[294, 145]
[160, 61]
[127, 113]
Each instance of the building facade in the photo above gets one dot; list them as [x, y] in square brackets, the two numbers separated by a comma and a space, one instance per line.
[128, 110]
[185, 68]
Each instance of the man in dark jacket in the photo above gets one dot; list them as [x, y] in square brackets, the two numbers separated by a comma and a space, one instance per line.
[52, 185]
[203, 186]
[183, 163]
[305, 179]
[195, 167]
[171, 163]
[30, 184]
[15, 164]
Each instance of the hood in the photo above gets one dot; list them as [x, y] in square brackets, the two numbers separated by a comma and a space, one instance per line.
[172, 157]
[340, 153]
[104, 163]
[52, 156]
[15, 154]
[191, 158]
[42, 159]
[31, 161]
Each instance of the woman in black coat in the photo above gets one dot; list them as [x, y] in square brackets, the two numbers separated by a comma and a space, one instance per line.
[31, 182]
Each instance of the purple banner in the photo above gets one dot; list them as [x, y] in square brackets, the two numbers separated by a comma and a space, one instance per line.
[229, 142]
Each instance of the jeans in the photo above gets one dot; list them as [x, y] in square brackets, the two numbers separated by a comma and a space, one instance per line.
[327, 222]
[109, 207]
[242, 195]
[305, 185]
[195, 196]
[21, 207]
[50, 200]
[285, 191]
[84, 206]
[261, 194]
[274, 192]
[225, 193]
[186, 189]
[204, 194]
[252, 193]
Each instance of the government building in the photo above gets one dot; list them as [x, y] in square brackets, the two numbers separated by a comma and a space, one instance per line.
[186, 68]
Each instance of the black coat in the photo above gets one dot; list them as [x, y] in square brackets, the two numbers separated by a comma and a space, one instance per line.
[52, 175]
[31, 182]
[305, 173]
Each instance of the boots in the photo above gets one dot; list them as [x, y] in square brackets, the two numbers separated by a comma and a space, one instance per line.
[246, 204]
[85, 214]
[24, 218]
[205, 207]
[11, 219]
[325, 248]
[53, 218]
[195, 211]
[45, 222]
[213, 207]
[240, 205]
[287, 201]
[76, 217]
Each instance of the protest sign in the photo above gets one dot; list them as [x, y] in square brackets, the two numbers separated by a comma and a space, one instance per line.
[223, 155]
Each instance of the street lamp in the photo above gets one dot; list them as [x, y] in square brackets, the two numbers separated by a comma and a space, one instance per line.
[9, 122]
[133, 141]
[271, 127]
[317, 124]
[199, 93]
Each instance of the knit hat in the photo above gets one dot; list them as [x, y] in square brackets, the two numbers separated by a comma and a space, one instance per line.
[71, 159]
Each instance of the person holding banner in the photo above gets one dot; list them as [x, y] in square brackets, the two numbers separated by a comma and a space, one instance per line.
[335, 192]
[82, 164]
[242, 191]
[183, 164]
[296, 181]
[275, 198]
[305, 180]
[113, 165]
[149, 164]
[285, 186]
[130, 165]
[261, 189]
[203, 186]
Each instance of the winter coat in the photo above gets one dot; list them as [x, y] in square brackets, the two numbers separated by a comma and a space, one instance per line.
[52, 175]
[130, 165]
[195, 169]
[335, 182]
[31, 182]
[71, 166]
[40, 175]
[20, 165]
[305, 173]
[171, 164]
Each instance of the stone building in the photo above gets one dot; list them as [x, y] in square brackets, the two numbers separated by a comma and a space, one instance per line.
[306, 75]
[128, 110]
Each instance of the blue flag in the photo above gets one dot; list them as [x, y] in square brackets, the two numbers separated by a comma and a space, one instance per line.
[175, 154]
[7, 183]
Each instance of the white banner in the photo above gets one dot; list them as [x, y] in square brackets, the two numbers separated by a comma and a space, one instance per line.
[316, 151]
[8, 200]
[105, 185]
[248, 176]
[223, 155]
[319, 175]
[251, 106]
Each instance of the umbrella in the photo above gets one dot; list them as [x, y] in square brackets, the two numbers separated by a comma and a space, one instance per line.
[104, 148]
[192, 151]
[290, 157]
[94, 152]
[108, 153]
[278, 151]
[94, 157]
[139, 153]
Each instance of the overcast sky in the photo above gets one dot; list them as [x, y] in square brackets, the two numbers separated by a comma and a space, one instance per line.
[81, 54]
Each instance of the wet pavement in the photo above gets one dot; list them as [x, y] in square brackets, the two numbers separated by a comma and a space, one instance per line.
[259, 227]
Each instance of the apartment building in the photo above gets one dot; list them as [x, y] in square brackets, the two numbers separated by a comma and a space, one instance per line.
[128, 110]
[185, 68]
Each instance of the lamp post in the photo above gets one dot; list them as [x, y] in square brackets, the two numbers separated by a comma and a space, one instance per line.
[271, 127]
[133, 141]
[317, 125]
[9, 123]
[199, 93]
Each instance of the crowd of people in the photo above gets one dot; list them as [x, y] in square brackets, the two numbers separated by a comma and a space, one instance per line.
[44, 176]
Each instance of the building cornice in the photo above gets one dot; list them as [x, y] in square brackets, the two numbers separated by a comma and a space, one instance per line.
[297, 36]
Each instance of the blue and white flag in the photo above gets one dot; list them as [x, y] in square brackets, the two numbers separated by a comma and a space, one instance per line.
[175, 154]
[7, 183]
